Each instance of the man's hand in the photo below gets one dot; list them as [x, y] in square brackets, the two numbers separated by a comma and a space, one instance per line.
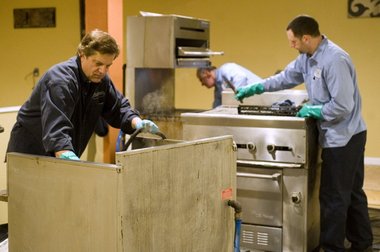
[248, 91]
[314, 111]
[68, 155]
[147, 126]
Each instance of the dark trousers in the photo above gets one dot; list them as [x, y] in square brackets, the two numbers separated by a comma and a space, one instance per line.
[344, 208]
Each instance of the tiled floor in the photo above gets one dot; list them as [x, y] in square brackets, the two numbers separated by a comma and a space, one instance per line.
[372, 189]
[374, 215]
[372, 186]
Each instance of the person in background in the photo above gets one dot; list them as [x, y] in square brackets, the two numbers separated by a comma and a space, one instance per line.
[334, 101]
[212, 77]
[60, 116]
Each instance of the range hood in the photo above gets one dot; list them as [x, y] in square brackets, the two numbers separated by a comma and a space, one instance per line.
[168, 41]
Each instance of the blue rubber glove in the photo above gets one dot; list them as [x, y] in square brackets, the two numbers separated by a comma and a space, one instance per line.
[147, 126]
[314, 111]
[69, 155]
[249, 90]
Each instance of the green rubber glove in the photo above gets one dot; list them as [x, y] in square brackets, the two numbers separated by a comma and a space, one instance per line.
[248, 91]
[69, 155]
[314, 111]
[147, 126]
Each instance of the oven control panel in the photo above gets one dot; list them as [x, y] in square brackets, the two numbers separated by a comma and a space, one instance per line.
[257, 137]
[263, 144]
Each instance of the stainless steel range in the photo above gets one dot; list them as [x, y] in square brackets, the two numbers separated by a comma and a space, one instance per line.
[277, 167]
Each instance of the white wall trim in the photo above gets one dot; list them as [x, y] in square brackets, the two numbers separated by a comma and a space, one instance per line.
[9, 109]
[372, 161]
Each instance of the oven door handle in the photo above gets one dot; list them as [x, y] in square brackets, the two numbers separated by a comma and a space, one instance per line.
[274, 176]
[261, 164]
[195, 51]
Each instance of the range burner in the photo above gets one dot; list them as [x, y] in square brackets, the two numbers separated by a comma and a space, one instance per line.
[278, 109]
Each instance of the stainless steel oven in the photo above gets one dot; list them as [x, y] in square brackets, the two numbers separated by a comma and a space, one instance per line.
[277, 173]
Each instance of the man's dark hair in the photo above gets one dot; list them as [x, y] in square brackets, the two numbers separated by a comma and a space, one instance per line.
[201, 70]
[98, 41]
[304, 25]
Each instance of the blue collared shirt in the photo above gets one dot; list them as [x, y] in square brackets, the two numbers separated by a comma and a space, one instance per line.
[330, 79]
[236, 74]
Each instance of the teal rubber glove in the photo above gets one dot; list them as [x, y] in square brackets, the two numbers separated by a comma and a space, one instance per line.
[147, 126]
[314, 111]
[69, 155]
[248, 91]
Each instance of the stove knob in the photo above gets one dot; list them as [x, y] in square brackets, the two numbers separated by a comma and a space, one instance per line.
[234, 146]
[251, 147]
[296, 197]
[271, 148]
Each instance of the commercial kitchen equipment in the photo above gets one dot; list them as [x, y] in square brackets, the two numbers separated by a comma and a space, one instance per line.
[159, 49]
[277, 167]
[160, 196]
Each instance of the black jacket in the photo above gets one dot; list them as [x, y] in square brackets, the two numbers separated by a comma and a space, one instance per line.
[63, 109]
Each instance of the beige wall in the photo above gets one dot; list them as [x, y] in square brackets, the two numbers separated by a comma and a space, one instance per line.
[25, 49]
[7, 119]
[252, 33]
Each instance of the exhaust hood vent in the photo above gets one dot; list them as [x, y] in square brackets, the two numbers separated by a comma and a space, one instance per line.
[168, 41]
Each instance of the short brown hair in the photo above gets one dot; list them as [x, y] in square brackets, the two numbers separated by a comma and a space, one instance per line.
[201, 70]
[98, 41]
[304, 25]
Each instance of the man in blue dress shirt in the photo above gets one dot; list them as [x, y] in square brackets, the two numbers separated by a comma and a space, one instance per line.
[331, 82]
